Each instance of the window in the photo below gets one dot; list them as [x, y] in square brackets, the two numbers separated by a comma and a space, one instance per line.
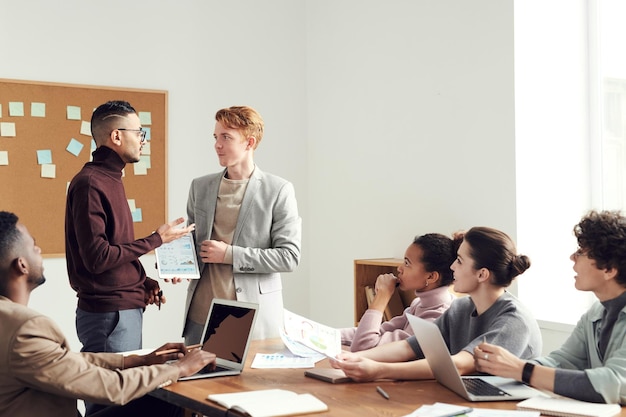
[570, 99]
[608, 96]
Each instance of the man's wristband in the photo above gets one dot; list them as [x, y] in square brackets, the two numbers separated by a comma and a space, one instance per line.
[527, 372]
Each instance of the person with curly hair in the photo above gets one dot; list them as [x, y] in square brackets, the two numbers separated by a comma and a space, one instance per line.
[591, 364]
[426, 271]
[486, 263]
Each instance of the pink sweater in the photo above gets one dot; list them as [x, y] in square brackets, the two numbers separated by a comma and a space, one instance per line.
[428, 305]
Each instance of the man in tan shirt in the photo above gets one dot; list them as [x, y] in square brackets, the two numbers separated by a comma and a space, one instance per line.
[40, 376]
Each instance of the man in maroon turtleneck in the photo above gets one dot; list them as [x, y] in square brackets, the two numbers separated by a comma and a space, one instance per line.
[102, 253]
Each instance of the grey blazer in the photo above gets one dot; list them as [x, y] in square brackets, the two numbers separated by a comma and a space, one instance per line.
[266, 241]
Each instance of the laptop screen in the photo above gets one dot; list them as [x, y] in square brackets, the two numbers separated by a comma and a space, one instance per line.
[228, 329]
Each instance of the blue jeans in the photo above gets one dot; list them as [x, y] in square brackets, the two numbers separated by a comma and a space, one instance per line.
[116, 331]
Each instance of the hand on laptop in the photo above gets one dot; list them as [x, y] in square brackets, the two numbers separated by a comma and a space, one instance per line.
[167, 352]
[194, 361]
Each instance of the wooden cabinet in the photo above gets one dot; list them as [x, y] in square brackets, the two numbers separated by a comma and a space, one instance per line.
[365, 273]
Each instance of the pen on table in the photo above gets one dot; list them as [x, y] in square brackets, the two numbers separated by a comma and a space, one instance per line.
[159, 295]
[187, 348]
[382, 392]
[457, 413]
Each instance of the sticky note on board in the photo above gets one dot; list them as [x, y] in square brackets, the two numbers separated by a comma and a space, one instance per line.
[137, 215]
[131, 204]
[48, 171]
[145, 117]
[73, 113]
[145, 149]
[7, 129]
[38, 109]
[44, 156]
[16, 108]
[140, 168]
[148, 133]
[145, 159]
[74, 147]
[4, 158]
[85, 128]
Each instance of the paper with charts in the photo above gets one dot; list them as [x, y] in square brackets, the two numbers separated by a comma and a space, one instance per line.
[323, 339]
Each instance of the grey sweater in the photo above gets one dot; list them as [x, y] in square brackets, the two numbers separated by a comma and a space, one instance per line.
[506, 323]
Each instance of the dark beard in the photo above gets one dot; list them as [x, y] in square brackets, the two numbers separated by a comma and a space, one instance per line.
[37, 281]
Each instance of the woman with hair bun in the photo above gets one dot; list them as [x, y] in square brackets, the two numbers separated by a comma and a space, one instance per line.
[486, 264]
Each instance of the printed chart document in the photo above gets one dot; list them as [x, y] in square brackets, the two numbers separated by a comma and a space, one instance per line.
[568, 407]
[281, 360]
[177, 259]
[270, 402]
[323, 339]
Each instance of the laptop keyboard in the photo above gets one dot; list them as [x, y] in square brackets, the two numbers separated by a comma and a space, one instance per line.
[209, 370]
[480, 387]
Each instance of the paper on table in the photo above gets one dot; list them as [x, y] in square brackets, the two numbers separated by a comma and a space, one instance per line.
[299, 349]
[489, 412]
[444, 410]
[563, 406]
[281, 360]
[321, 338]
[440, 410]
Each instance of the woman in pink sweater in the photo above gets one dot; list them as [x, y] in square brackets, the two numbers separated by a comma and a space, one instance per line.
[426, 270]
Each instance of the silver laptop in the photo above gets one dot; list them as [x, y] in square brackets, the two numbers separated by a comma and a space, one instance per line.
[227, 333]
[472, 388]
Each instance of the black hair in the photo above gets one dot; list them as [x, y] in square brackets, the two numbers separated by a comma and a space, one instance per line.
[104, 111]
[438, 253]
[602, 235]
[9, 236]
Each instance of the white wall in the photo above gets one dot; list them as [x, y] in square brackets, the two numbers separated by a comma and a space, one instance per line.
[410, 114]
[391, 118]
[207, 55]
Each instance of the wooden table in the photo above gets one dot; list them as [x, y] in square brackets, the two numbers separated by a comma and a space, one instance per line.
[345, 400]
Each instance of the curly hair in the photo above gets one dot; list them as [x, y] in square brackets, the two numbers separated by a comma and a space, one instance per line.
[438, 253]
[602, 235]
[495, 250]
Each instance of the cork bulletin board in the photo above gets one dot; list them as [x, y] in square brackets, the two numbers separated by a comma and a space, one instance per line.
[45, 139]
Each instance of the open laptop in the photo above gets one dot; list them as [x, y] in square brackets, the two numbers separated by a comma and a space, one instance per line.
[227, 333]
[472, 388]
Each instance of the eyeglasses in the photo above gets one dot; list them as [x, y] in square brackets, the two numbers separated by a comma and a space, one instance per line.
[579, 252]
[142, 133]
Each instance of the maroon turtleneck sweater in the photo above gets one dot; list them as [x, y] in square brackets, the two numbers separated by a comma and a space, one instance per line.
[101, 250]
